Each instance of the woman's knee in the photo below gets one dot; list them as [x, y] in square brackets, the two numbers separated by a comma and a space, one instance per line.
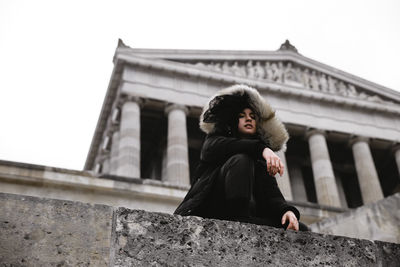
[237, 174]
[240, 160]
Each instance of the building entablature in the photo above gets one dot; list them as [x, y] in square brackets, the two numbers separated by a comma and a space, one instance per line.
[349, 96]
[125, 65]
[329, 79]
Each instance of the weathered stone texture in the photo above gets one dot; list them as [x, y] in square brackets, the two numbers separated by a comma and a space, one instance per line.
[44, 232]
[151, 239]
[376, 221]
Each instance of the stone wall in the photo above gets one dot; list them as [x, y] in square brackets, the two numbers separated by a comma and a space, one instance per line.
[44, 232]
[64, 184]
[375, 221]
[134, 193]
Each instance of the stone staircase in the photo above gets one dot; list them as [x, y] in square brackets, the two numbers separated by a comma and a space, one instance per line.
[48, 232]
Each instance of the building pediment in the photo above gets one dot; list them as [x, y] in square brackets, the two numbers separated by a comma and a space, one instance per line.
[284, 67]
[295, 75]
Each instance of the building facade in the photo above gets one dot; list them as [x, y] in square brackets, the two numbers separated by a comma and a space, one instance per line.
[344, 147]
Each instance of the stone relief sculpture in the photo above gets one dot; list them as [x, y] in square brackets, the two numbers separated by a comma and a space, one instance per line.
[314, 81]
[225, 68]
[269, 73]
[342, 88]
[331, 85]
[216, 66]
[323, 83]
[238, 70]
[201, 65]
[286, 72]
[291, 75]
[250, 70]
[259, 72]
[277, 72]
[305, 78]
[351, 90]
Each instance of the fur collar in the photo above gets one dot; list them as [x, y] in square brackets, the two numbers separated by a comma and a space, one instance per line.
[269, 128]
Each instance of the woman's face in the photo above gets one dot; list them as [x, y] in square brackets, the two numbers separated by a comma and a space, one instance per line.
[247, 123]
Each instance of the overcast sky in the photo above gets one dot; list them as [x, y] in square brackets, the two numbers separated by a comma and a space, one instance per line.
[56, 56]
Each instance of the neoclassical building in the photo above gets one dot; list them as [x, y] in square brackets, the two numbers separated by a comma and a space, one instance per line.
[344, 147]
[343, 151]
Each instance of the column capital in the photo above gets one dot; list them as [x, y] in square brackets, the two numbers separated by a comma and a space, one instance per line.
[171, 106]
[357, 139]
[314, 131]
[123, 98]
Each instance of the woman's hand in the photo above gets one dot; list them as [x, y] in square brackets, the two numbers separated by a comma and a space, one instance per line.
[274, 163]
[293, 222]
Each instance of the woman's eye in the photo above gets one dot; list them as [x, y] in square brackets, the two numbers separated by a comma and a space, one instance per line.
[241, 115]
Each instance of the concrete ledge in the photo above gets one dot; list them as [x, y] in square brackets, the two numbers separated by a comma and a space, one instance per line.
[44, 181]
[45, 232]
[153, 239]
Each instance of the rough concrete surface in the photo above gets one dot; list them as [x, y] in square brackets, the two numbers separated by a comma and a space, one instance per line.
[376, 221]
[152, 239]
[44, 232]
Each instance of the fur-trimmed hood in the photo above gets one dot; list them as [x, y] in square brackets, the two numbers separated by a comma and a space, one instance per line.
[269, 128]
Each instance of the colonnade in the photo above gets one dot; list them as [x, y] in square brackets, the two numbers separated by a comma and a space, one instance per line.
[124, 156]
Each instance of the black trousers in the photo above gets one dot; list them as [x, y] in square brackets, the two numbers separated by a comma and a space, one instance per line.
[244, 191]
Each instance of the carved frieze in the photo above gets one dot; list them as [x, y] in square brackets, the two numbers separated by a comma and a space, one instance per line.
[293, 74]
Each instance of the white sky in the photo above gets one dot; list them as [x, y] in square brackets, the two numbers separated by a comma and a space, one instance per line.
[56, 56]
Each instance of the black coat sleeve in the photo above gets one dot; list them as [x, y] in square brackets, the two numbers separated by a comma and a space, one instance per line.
[270, 194]
[276, 202]
[220, 148]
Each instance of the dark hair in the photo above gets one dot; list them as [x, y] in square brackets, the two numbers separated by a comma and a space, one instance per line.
[224, 111]
[229, 127]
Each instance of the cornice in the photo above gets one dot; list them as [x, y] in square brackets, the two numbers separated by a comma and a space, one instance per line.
[279, 88]
[103, 118]
[233, 55]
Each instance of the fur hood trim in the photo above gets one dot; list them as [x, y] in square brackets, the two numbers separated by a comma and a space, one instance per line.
[269, 128]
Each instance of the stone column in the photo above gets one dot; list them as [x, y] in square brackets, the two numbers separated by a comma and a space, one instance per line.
[371, 190]
[129, 139]
[284, 181]
[177, 146]
[396, 151]
[97, 168]
[114, 153]
[324, 179]
[342, 195]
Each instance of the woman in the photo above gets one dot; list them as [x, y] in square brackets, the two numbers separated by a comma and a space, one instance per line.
[235, 177]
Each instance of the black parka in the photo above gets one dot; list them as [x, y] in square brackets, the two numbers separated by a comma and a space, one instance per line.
[219, 146]
[215, 152]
